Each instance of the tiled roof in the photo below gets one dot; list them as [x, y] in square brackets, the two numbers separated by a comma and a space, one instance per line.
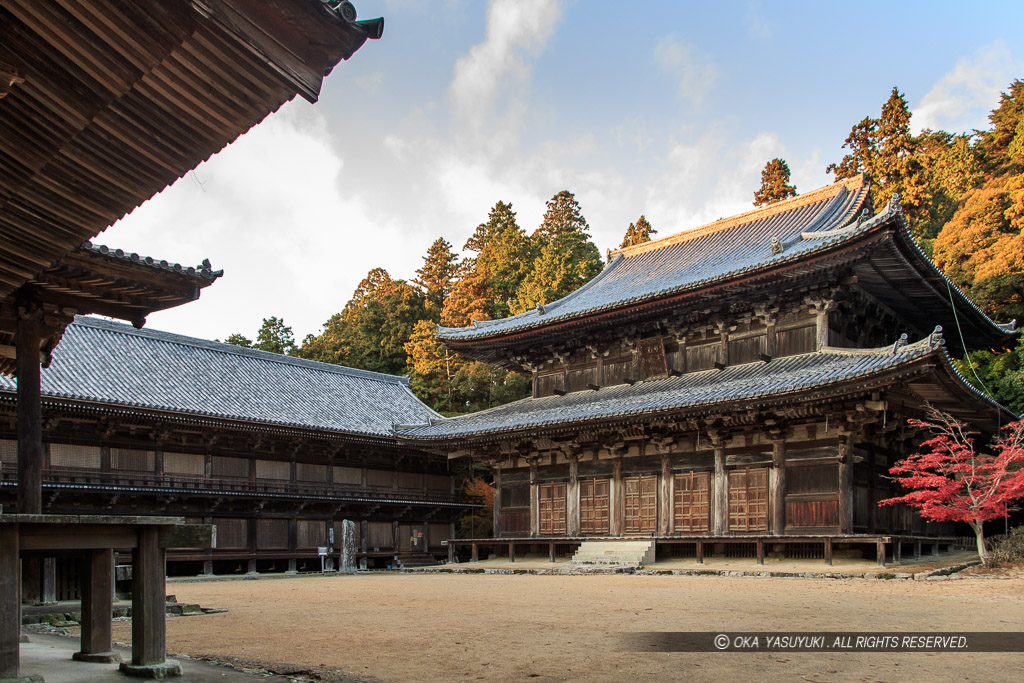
[112, 363]
[748, 382]
[204, 269]
[767, 237]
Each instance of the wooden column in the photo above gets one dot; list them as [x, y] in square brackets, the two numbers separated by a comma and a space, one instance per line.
[821, 309]
[534, 499]
[845, 486]
[665, 494]
[616, 502]
[777, 482]
[572, 503]
[497, 500]
[97, 583]
[30, 424]
[720, 508]
[149, 605]
[10, 602]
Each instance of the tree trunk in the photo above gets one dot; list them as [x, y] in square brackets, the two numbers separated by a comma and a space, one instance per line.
[979, 532]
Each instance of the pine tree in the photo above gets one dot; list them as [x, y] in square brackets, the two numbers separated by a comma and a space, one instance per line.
[774, 183]
[276, 337]
[238, 339]
[567, 258]
[436, 276]
[638, 233]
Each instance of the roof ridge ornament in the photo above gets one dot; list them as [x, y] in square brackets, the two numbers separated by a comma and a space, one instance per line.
[935, 339]
[894, 205]
[776, 246]
[900, 343]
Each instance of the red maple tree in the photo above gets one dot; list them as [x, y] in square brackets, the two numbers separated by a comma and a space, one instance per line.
[951, 481]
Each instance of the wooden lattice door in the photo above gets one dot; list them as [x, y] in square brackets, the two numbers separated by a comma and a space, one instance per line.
[594, 506]
[748, 499]
[552, 509]
[691, 509]
[641, 494]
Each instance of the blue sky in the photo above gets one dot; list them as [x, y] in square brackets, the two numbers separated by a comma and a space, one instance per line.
[668, 109]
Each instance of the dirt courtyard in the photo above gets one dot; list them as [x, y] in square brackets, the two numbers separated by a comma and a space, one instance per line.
[407, 627]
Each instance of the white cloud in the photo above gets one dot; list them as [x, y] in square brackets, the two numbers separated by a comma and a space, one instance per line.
[695, 71]
[963, 98]
[757, 25]
[273, 212]
[517, 30]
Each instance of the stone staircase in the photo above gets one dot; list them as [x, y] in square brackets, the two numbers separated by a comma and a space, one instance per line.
[410, 560]
[614, 554]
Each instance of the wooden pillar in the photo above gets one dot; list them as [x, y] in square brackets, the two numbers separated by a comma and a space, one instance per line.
[10, 602]
[828, 551]
[616, 499]
[534, 499]
[760, 551]
[880, 552]
[475, 552]
[700, 551]
[665, 494]
[572, 503]
[497, 500]
[720, 508]
[897, 549]
[97, 582]
[511, 551]
[149, 605]
[551, 551]
[30, 424]
[821, 309]
[845, 486]
[777, 482]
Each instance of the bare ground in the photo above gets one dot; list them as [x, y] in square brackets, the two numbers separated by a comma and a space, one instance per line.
[404, 627]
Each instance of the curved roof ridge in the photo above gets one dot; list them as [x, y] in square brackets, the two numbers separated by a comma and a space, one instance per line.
[855, 183]
[900, 347]
[204, 269]
[222, 347]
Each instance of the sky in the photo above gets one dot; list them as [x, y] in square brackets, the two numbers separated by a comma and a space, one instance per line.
[667, 109]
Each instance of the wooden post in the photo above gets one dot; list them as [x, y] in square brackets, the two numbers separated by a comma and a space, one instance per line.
[534, 499]
[897, 549]
[777, 481]
[917, 550]
[97, 583]
[451, 551]
[828, 551]
[845, 486]
[880, 552]
[760, 551]
[10, 602]
[572, 503]
[30, 423]
[149, 605]
[700, 551]
[720, 509]
[511, 552]
[497, 500]
[475, 549]
[616, 502]
[665, 495]
[821, 309]
[551, 551]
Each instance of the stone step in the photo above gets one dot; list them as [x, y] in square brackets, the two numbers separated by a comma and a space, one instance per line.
[616, 553]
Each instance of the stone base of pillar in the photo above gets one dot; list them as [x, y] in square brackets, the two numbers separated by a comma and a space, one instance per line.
[252, 567]
[169, 668]
[97, 657]
[207, 568]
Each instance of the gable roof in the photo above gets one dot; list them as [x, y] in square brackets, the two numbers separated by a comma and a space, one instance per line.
[100, 361]
[774, 385]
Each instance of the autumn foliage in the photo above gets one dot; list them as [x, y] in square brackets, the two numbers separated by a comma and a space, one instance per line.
[479, 524]
[951, 481]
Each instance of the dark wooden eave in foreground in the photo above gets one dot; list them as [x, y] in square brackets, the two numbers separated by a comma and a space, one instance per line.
[95, 279]
[104, 103]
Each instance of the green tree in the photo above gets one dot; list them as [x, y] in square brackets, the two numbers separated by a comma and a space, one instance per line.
[373, 328]
[567, 258]
[638, 233]
[436, 276]
[276, 337]
[479, 385]
[885, 150]
[432, 368]
[774, 183]
[489, 280]
[239, 340]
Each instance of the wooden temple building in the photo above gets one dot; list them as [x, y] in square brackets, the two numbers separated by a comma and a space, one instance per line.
[274, 451]
[104, 103]
[742, 383]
